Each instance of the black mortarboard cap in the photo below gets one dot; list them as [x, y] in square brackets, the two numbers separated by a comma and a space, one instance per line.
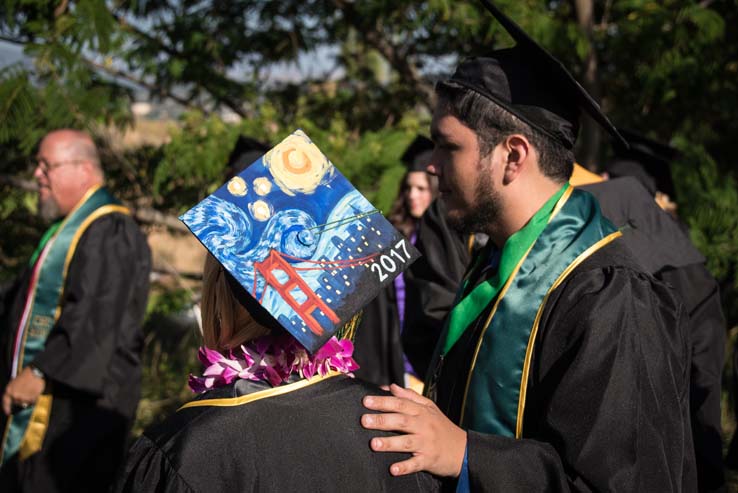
[647, 160]
[417, 156]
[530, 83]
[245, 151]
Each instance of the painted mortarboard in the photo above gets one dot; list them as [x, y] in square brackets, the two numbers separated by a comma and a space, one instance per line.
[301, 240]
[531, 84]
[245, 151]
[417, 156]
[647, 160]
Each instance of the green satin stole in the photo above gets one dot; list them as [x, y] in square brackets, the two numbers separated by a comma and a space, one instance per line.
[46, 293]
[495, 392]
[472, 304]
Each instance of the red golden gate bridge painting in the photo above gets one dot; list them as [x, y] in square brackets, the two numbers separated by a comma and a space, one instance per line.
[294, 284]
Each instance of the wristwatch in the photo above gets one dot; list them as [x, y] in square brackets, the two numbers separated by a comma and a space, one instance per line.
[37, 372]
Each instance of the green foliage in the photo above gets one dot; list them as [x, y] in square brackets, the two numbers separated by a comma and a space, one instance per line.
[193, 162]
[709, 204]
[21, 230]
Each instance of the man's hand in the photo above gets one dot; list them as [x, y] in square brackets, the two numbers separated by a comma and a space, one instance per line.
[436, 443]
[23, 390]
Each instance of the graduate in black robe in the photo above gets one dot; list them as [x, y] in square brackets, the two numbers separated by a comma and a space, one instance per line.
[379, 350]
[663, 249]
[564, 365]
[298, 433]
[70, 330]
[91, 361]
[432, 282]
[305, 439]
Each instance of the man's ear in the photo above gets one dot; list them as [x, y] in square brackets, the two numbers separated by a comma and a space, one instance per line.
[518, 153]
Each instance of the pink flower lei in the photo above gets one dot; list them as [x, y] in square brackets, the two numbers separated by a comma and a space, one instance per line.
[272, 359]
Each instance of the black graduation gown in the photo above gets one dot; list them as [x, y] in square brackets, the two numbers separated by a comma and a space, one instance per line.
[607, 406]
[91, 361]
[378, 349]
[308, 439]
[662, 247]
[430, 285]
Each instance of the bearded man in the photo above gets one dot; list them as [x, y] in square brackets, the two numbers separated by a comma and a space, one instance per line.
[71, 330]
[563, 365]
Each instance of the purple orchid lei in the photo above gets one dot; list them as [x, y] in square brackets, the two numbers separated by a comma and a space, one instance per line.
[272, 359]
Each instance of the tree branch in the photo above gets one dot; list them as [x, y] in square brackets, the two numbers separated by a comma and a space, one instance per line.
[61, 8]
[15, 41]
[397, 59]
[234, 105]
[147, 85]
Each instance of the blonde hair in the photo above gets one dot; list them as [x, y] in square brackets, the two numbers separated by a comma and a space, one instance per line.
[226, 324]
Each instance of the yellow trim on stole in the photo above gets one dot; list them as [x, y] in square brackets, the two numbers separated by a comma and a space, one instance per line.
[33, 438]
[262, 394]
[36, 429]
[470, 244]
[503, 291]
[531, 340]
[97, 213]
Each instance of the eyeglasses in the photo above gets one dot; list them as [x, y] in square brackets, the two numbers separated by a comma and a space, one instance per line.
[45, 166]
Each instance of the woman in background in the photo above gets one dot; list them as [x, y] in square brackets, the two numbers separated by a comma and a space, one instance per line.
[379, 349]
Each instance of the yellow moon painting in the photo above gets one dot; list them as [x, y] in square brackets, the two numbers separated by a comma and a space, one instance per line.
[297, 164]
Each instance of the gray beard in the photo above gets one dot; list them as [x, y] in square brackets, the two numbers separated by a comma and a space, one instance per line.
[48, 210]
[483, 214]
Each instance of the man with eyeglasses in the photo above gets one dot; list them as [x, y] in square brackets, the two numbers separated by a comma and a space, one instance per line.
[70, 330]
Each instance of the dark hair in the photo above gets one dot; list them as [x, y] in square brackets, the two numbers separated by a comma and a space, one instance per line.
[399, 215]
[492, 124]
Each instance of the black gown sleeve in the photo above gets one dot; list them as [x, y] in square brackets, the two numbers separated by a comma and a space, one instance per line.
[148, 469]
[607, 403]
[103, 304]
[701, 296]
[430, 285]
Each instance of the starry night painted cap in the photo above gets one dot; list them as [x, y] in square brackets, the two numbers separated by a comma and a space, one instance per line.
[531, 84]
[304, 244]
[417, 156]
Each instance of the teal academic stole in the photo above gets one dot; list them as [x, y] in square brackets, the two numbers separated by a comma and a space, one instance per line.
[494, 396]
[26, 428]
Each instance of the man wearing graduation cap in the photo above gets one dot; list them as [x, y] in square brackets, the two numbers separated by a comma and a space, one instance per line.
[563, 365]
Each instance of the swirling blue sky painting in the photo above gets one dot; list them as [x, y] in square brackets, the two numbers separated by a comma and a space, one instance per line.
[301, 239]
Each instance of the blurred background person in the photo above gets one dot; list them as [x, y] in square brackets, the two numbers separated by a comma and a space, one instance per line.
[71, 333]
[639, 178]
[379, 347]
[648, 161]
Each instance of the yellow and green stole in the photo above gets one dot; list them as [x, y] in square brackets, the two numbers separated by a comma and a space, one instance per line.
[25, 429]
[532, 263]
